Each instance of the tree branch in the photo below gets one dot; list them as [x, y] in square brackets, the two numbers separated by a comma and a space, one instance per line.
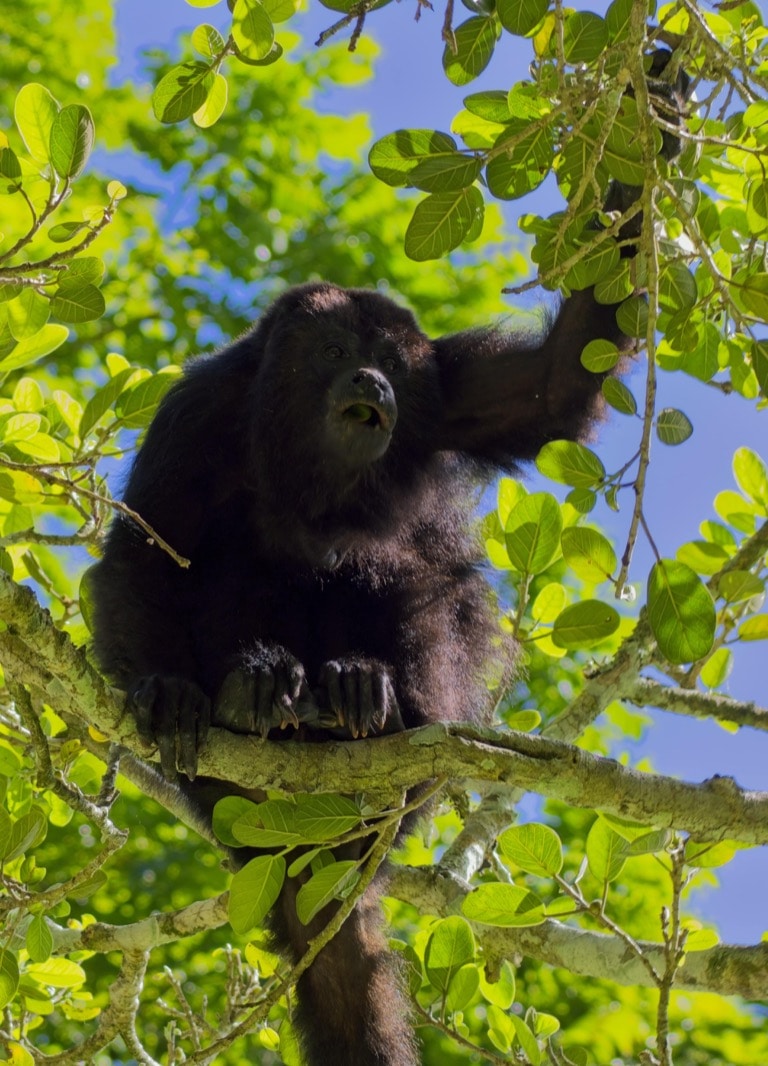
[726, 970]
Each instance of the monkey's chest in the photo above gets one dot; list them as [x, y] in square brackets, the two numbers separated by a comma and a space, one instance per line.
[315, 618]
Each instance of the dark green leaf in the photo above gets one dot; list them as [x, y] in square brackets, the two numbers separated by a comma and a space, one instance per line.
[441, 222]
[520, 16]
[76, 300]
[585, 35]
[672, 426]
[532, 532]
[475, 41]
[332, 881]
[618, 396]
[584, 624]
[254, 890]
[394, 157]
[72, 135]
[525, 159]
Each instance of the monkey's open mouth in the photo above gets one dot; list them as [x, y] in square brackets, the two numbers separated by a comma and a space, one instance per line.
[364, 413]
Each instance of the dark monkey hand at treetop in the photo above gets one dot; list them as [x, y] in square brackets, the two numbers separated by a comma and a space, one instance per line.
[319, 474]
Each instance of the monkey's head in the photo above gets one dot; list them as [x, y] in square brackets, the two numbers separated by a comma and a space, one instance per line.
[346, 403]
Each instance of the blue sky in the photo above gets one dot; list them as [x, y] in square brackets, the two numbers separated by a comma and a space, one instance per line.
[409, 89]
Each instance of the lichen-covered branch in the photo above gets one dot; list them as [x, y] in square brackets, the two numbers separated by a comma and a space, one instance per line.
[726, 970]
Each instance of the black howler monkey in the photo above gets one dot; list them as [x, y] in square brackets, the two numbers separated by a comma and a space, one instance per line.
[318, 474]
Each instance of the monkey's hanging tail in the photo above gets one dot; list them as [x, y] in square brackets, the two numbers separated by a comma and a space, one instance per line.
[351, 1008]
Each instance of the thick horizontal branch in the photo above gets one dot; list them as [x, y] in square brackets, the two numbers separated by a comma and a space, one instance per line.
[647, 693]
[34, 652]
[726, 970]
[148, 933]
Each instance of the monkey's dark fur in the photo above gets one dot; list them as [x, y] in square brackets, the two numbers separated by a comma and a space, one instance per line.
[319, 474]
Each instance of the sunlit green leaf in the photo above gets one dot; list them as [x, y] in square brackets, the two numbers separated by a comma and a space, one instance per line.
[680, 611]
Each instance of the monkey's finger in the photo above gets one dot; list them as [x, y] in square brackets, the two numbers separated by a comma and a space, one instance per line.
[265, 687]
[367, 714]
[166, 747]
[352, 702]
[330, 676]
[296, 678]
[381, 694]
[141, 704]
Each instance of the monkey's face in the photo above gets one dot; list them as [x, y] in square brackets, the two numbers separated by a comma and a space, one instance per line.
[361, 412]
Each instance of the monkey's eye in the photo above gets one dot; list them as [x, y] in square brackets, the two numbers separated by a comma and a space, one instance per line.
[334, 351]
[390, 364]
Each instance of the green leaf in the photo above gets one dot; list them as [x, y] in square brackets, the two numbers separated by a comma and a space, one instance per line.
[532, 533]
[28, 313]
[527, 1041]
[499, 989]
[39, 940]
[650, 843]
[10, 167]
[491, 105]
[598, 262]
[706, 856]
[394, 157]
[182, 91]
[607, 851]
[632, 316]
[214, 105]
[620, 398]
[534, 847]
[680, 611]
[755, 628]
[570, 463]
[599, 356]
[252, 29]
[59, 973]
[45, 341]
[585, 35]
[520, 16]
[739, 585]
[332, 881]
[71, 140]
[525, 162]
[9, 977]
[103, 400]
[463, 989]
[446, 173]
[717, 668]
[588, 553]
[584, 624]
[673, 426]
[207, 40]
[450, 946]
[281, 10]
[76, 300]
[475, 41]
[549, 602]
[751, 475]
[616, 285]
[27, 832]
[137, 404]
[441, 222]
[254, 891]
[702, 556]
[677, 288]
[503, 905]
[86, 268]
[66, 231]
[325, 817]
[34, 111]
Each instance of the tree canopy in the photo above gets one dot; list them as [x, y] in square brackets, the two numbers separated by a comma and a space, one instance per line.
[144, 220]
